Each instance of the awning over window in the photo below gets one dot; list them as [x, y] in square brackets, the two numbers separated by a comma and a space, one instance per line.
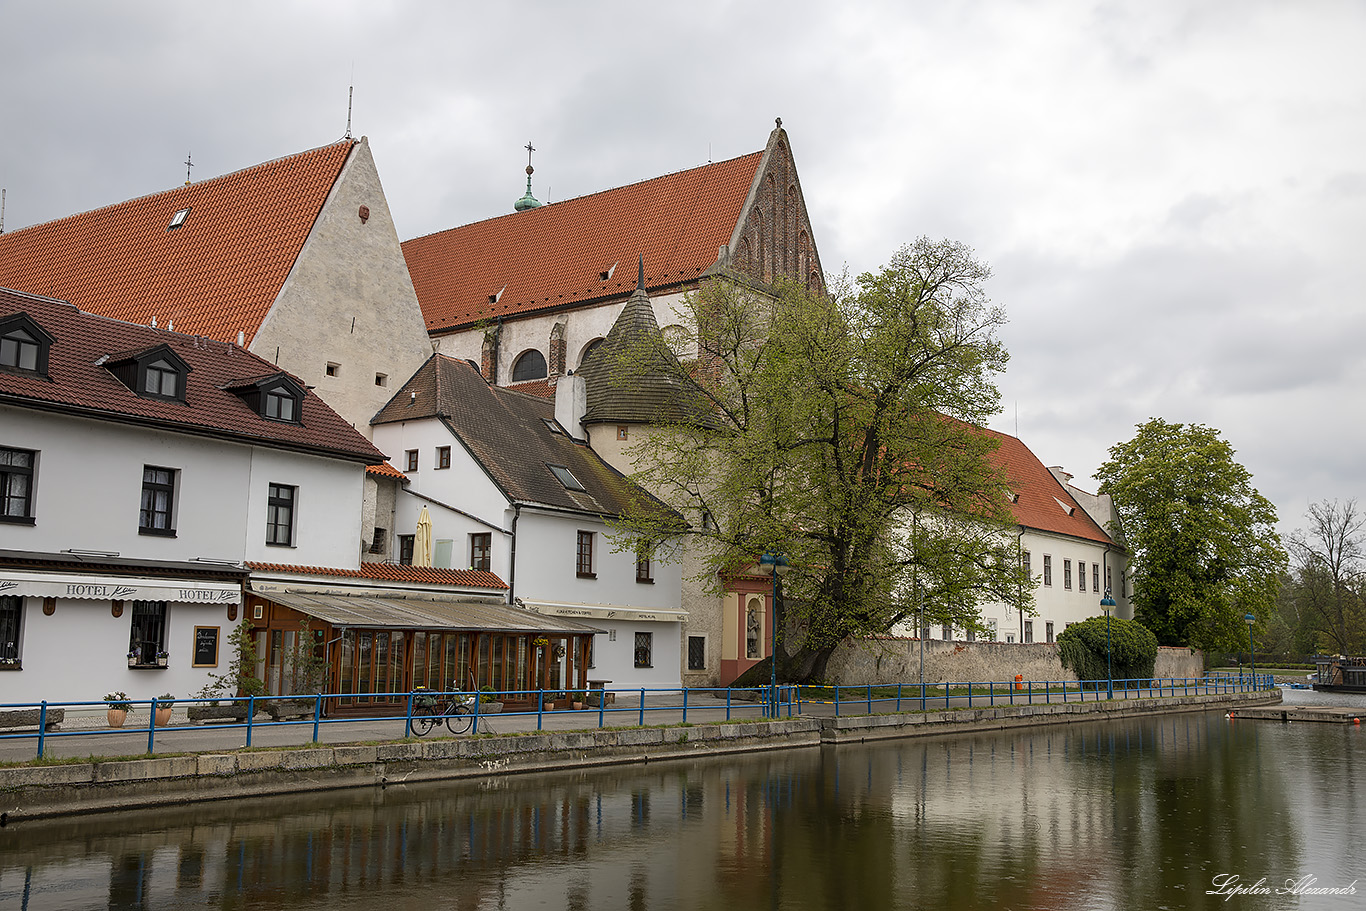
[605, 611]
[118, 588]
[370, 612]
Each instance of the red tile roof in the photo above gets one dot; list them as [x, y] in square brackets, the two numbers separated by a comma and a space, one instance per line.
[216, 275]
[392, 572]
[539, 388]
[79, 383]
[1039, 493]
[385, 470]
[554, 256]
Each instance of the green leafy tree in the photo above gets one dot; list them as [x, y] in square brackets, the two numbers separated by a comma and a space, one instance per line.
[1204, 542]
[838, 430]
[1329, 569]
[240, 678]
[1082, 647]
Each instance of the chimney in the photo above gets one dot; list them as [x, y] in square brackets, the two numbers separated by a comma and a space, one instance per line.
[571, 403]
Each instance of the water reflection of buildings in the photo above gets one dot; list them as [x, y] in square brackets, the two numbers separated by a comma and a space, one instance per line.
[1049, 818]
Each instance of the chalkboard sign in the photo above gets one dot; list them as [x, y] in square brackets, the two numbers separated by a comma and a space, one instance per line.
[206, 646]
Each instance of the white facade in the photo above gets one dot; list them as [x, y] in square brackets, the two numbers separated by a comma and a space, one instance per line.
[463, 501]
[582, 327]
[87, 487]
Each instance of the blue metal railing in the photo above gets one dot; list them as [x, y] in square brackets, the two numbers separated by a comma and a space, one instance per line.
[640, 704]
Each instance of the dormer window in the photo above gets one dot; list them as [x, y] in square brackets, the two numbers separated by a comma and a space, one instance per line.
[155, 374]
[23, 344]
[178, 219]
[281, 405]
[276, 397]
[161, 379]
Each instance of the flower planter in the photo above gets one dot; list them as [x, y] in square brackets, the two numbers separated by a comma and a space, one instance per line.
[234, 711]
[132, 662]
[163, 716]
[161, 662]
[490, 708]
[117, 717]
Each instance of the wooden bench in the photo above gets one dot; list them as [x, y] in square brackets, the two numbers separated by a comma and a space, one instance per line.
[28, 718]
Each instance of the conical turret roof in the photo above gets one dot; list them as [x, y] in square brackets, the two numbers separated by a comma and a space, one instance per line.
[633, 377]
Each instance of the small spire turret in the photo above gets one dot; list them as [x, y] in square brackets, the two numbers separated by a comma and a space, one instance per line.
[528, 201]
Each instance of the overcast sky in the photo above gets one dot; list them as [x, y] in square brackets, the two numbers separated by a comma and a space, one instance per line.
[1172, 195]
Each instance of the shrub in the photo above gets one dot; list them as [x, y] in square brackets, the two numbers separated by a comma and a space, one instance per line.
[1133, 649]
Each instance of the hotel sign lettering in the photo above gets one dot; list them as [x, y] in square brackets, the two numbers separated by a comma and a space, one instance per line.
[97, 588]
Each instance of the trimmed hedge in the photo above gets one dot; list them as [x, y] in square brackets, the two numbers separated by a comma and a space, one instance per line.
[1133, 649]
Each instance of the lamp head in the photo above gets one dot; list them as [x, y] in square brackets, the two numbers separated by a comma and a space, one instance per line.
[1107, 602]
[773, 563]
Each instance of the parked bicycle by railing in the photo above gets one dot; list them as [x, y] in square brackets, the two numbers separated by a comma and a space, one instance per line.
[429, 711]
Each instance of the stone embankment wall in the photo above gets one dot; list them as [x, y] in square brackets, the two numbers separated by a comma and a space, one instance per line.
[897, 660]
[34, 791]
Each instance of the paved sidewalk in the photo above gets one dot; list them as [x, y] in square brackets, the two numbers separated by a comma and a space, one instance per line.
[86, 733]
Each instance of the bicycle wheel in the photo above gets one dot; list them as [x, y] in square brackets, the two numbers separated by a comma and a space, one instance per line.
[425, 717]
[458, 721]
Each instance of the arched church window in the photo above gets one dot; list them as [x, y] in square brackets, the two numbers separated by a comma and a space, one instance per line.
[530, 366]
[589, 349]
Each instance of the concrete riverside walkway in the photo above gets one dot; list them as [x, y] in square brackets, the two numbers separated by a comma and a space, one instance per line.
[87, 734]
[210, 765]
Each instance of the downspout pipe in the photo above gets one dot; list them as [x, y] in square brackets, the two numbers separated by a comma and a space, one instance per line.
[512, 555]
[1019, 560]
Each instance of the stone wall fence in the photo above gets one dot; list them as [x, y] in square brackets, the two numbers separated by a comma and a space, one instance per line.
[892, 659]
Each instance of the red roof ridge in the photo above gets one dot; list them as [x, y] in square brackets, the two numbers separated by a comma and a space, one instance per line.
[391, 572]
[197, 183]
[548, 205]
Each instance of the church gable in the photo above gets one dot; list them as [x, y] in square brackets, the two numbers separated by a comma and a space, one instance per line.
[773, 237]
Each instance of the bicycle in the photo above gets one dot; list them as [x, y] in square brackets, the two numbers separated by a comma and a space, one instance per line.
[429, 711]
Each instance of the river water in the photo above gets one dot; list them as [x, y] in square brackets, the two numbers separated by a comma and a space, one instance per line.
[1144, 814]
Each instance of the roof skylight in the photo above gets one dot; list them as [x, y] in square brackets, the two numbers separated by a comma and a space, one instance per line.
[178, 219]
[565, 477]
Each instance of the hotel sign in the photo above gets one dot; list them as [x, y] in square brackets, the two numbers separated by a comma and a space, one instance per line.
[105, 588]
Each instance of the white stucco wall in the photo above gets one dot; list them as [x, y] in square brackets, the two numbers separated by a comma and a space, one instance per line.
[80, 653]
[349, 301]
[581, 327]
[87, 492]
[464, 486]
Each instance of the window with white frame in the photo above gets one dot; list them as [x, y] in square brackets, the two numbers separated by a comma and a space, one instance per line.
[697, 653]
[1067, 574]
[1047, 570]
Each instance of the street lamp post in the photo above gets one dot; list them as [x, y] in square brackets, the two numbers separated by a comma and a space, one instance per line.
[1250, 619]
[1107, 602]
[773, 564]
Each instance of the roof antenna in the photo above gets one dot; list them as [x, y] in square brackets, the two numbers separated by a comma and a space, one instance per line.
[350, 93]
[188, 164]
[528, 201]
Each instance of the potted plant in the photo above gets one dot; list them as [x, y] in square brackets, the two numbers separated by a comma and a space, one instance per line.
[162, 658]
[165, 702]
[119, 707]
[488, 705]
[134, 659]
[578, 699]
[237, 682]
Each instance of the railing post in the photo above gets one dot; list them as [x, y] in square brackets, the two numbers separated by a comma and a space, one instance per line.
[970, 685]
[837, 700]
[540, 707]
[1031, 691]
[42, 726]
[642, 706]
[152, 727]
[474, 720]
[685, 705]
[991, 691]
[318, 714]
[602, 704]
[727, 704]
[922, 696]
[870, 699]
[407, 722]
[898, 697]
[251, 715]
